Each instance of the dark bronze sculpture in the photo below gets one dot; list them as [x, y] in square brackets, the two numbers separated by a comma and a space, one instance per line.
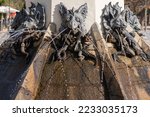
[132, 19]
[114, 23]
[27, 32]
[20, 18]
[35, 18]
[37, 12]
[74, 37]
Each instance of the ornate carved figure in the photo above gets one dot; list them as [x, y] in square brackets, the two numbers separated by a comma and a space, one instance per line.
[21, 45]
[114, 23]
[38, 14]
[73, 33]
[26, 35]
[74, 19]
[20, 18]
[35, 18]
[132, 19]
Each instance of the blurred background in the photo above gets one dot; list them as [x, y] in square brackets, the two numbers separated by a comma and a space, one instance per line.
[142, 9]
[8, 9]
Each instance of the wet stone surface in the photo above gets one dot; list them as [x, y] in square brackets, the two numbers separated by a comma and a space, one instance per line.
[71, 80]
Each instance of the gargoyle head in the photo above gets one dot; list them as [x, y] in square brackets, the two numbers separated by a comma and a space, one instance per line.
[37, 12]
[73, 19]
[118, 21]
[32, 8]
[116, 9]
[19, 19]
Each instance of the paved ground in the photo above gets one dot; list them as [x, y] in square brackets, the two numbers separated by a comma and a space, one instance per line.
[3, 36]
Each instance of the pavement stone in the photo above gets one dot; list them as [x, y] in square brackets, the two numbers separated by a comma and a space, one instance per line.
[3, 36]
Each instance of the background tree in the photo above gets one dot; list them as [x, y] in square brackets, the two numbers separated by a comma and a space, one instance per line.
[2, 2]
[18, 4]
[137, 5]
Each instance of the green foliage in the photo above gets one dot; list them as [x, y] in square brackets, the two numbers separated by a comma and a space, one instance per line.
[1, 2]
[18, 4]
